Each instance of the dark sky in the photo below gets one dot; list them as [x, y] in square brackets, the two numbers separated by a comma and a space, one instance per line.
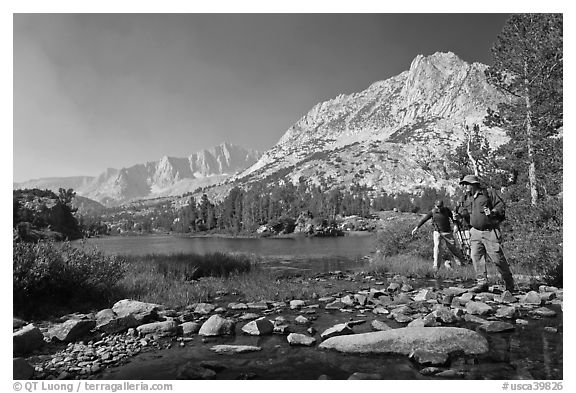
[93, 91]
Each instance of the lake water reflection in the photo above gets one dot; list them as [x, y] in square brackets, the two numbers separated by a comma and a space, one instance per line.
[318, 254]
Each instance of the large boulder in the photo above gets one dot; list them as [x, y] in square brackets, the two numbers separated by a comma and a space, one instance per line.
[531, 297]
[190, 328]
[478, 308]
[72, 330]
[407, 340]
[259, 327]
[140, 311]
[107, 321]
[506, 312]
[27, 339]
[21, 369]
[217, 326]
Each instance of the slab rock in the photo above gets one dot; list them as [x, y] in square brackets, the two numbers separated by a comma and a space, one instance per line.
[407, 340]
[163, 329]
[217, 326]
[233, 349]
[140, 311]
[544, 312]
[337, 330]
[27, 339]
[237, 306]
[295, 304]
[496, 327]
[72, 330]
[300, 339]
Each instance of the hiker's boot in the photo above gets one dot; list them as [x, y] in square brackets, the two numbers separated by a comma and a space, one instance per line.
[480, 287]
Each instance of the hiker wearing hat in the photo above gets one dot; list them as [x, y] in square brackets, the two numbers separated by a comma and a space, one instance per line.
[441, 217]
[484, 209]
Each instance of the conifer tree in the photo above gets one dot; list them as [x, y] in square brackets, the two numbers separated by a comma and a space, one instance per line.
[528, 64]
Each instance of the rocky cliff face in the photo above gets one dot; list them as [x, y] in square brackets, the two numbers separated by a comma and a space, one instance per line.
[166, 177]
[393, 136]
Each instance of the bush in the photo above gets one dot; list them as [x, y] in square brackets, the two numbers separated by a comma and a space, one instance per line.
[186, 267]
[534, 242]
[283, 224]
[397, 240]
[48, 273]
[180, 279]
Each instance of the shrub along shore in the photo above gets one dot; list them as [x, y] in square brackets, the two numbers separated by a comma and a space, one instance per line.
[52, 278]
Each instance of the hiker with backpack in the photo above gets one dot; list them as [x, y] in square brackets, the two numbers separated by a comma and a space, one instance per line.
[441, 217]
[484, 209]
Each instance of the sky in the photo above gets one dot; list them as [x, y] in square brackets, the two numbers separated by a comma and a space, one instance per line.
[97, 91]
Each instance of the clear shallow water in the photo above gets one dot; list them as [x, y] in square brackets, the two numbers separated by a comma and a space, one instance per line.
[317, 254]
[528, 352]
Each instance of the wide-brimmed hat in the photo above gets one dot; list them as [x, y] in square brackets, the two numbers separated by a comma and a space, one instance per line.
[470, 179]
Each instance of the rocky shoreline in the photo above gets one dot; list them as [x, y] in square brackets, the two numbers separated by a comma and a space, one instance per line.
[432, 327]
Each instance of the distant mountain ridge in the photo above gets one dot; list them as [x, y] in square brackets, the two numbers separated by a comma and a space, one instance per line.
[166, 177]
[394, 136]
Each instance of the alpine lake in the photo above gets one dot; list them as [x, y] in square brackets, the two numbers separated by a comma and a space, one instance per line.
[532, 350]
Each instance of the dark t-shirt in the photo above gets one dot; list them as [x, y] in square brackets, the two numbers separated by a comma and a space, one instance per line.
[440, 218]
